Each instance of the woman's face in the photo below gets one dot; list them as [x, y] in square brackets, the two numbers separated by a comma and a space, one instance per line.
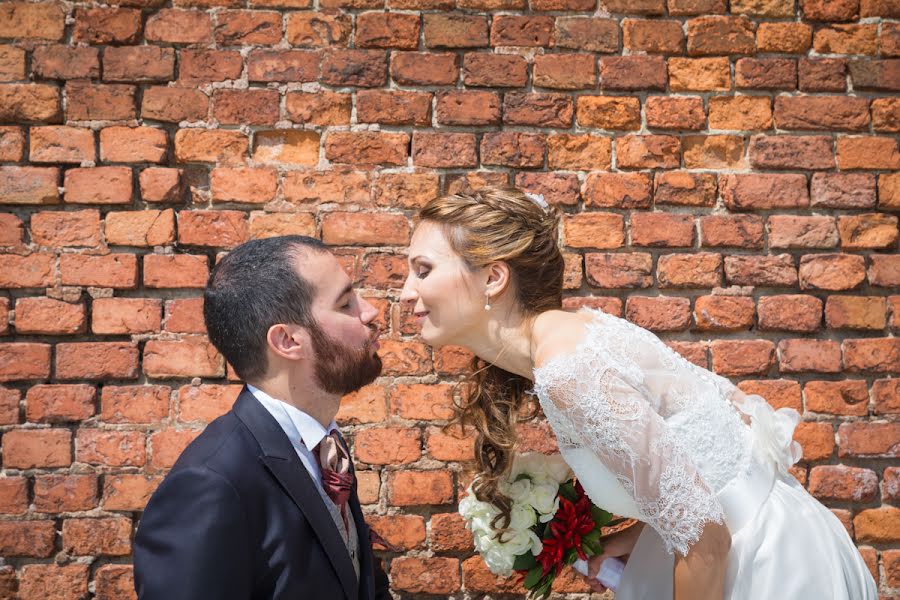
[446, 297]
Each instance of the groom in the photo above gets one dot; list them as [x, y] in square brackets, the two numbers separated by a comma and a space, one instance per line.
[263, 503]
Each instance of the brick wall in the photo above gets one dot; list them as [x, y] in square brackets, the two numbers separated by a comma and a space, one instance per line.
[729, 174]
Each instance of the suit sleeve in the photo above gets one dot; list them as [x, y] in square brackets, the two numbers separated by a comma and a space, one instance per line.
[382, 584]
[192, 541]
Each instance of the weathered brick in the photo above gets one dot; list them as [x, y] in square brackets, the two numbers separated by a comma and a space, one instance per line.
[520, 30]
[790, 312]
[86, 101]
[849, 397]
[111, 316]
[661, 229]
[396, 107]
[63, 229]
[107, 25]
[684, 188]
[197, 66]
[842, 190]
[251, 107]
[881, 355]
[365, 229]
[174, 104]
[788, 38]
[792, 152]
[831, 271]
[244, 27]
[97, 537]
[29, 103]
[723, 313]
[822, 112]
[768, 271]
[429, 575]
[318, 30]
[823, 74]
[215, 146]
[742, 231]
[37, 448]
[712, 35]
[42, 21]
[161, 185]
[699, 74]
[178, 26]
[608, 112]
[766, 73]
[48, 316]
[565, 71]
[117, 271]
[594, 230]
[587, 34]
[318, 108]
[139, 63]
[847, 39]
[659, 313]
[480, 69]
[868, 153]
[732, 358]
[436, 68]
[648, 152]
[133, 144]
[633, 73]
[653, 36]
[713, 152]
[57, 493]
[60, 144]
[869, 439]
[96, 360]
[579, 152]
[678, 112]
[98, 185]
[740, 112]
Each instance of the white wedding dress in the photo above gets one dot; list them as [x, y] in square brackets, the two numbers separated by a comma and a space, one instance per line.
[654, 437]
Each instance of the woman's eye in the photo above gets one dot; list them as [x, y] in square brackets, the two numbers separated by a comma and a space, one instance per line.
[423, 273]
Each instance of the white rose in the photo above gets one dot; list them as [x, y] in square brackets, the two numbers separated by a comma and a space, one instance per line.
[519, 490]
[521, 517]
[544, 499]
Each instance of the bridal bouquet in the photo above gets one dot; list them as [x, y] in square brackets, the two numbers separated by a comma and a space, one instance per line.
[552, 523]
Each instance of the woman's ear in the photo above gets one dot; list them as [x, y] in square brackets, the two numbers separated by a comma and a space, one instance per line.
[289, 341]
[498, 278]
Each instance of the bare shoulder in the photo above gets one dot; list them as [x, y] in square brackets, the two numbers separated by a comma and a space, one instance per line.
[557, 332]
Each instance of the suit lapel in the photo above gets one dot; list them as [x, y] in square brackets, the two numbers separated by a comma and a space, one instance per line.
[280, 458]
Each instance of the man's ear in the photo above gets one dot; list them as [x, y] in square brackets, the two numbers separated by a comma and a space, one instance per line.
[289, 341]
[498, 278]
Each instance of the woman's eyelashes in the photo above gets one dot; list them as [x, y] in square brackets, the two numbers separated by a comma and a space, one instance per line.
[422, 272]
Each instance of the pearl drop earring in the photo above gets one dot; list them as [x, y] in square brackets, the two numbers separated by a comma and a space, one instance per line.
[487, 302]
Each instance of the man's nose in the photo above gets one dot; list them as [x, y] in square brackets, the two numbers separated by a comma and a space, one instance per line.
[367, 311]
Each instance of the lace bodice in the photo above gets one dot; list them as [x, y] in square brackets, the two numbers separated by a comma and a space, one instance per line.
[668, 431]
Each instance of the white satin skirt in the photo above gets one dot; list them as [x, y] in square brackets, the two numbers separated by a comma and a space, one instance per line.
[784, 545]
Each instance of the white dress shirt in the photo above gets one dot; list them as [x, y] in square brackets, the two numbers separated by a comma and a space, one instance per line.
[302, 430]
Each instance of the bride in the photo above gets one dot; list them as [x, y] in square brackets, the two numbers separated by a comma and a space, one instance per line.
[650, 435]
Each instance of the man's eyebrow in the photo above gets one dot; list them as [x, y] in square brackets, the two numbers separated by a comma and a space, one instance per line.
[347, 289]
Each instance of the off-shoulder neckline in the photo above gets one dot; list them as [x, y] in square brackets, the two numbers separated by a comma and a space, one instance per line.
[588, 334]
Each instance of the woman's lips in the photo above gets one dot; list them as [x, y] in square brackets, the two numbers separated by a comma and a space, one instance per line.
[420, 316]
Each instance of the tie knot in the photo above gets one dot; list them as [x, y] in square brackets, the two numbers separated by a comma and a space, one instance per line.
[332, 455]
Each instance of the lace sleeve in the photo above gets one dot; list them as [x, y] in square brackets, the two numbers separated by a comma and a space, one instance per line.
[615, 420]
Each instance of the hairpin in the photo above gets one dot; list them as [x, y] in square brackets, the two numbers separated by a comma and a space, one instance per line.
[539, 200]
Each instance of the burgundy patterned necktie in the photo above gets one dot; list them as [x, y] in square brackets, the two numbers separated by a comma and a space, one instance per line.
[334, 463]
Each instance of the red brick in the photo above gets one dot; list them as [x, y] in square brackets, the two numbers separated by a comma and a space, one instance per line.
[196, 66]
[740, 112]
[449, 534]
[216, 146]
[884, 270]
[831, 271]
[823, 74]
[886, 115]
[816, 439]
[480, 69]
[891, 483]
[654, 36]
[178, 26]
[787, 231]
[742, 231]
[175, 271]
[96, 360]
[387, 30]
[422, 401]
[58, 493]
[868, 153]
[13, 495]
[191, 356]
[29, 103]
[168, 444]
[699, 74]
[768, 271]
[631, 270]
[712, 35]
[800, 355]
[367, 148]
[565, 71]
[24, 361]
[206, 402]
[48, 316]
[406, 532]
[791, 152]
[286, 146]
[539, 110]
[217, 228]
[766, 73]
[723, 313]
[251, 107]
[31, 271]
[12, 147]
[89, 102]
[608, 112]
[388, 445]
[362, 68]
[115, 582]
[59, 403]
[406, 358]
[424, 68]
[869, 439]
[703, 269]
[739, 358]
[580, 153]
[264, 225]
[405, 190]
[791, 312]
[556, 188]
[685, 189]
[249, 185]
[842, 483]
[174, 104]
[787, 38]
[43, 21]
[878, 525]
[98, 185]
[659, 313]
[37, 448]
[676, 112]
[886, 396]
[450, 445]
[822, 112]
[847, 39]
[856, 312]
[112, 316]
[140, 228]
[245, 27]
[133, 144]
[110, 448]
[648, 152]
[513, 149]
[779, 393]
[518, 30]
[365, 229]
[117, 271]
[594, 230]
[97, 537]
[713, 152]
[283, 65]
[428, 575]
[633, 73]
[110, 25]
[586, 34]
[129, 492]
[139, 63]
[764, 191]
[661, 229]
[395, 107]
[67, 581]
[872, 354]
[61, 229]
[61, 144]
[318, 108]
[478, 578]
[848, 397]
[340, 186]
[317, 30]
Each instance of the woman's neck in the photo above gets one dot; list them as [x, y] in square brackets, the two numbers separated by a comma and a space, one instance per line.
[505, 343]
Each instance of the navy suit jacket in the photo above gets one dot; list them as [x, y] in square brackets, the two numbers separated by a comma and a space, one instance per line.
[239, 517]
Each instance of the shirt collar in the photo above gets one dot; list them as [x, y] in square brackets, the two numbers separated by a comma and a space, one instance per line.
[298, 425]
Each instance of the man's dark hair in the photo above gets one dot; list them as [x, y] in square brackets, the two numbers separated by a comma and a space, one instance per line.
[254, 287]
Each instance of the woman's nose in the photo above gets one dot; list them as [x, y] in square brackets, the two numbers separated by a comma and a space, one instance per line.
[408, 294]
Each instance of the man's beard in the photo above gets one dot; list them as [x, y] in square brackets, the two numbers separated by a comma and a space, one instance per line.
[340, 369]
